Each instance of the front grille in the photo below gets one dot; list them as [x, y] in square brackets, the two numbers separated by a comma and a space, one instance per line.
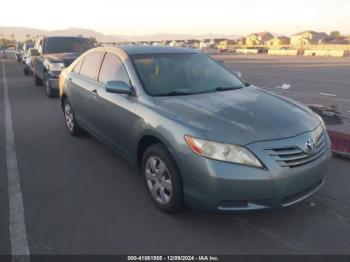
[293, 156]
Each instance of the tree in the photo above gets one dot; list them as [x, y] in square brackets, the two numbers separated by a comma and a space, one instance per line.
[335, 34]
[93, 40]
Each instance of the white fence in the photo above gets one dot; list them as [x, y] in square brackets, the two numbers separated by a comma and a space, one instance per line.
[247, 51]
[336, 53]
[282, 52]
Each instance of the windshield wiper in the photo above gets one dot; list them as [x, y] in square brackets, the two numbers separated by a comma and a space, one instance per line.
[177, 93]
[220, 88]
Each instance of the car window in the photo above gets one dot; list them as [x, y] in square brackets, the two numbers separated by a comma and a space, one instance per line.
[91, 64]
[27, 46]
[77, 67]
[113, 69]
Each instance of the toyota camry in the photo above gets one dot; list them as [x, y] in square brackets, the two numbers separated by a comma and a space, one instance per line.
[201, 135]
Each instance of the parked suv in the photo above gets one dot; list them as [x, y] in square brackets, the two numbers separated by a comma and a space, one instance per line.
[52, 54]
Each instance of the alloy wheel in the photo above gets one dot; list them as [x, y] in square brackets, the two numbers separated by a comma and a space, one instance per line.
[68, 114]
[158, 180]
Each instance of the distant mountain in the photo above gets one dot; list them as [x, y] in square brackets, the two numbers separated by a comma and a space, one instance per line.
[20, 34]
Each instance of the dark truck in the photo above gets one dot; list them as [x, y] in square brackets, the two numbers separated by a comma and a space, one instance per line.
[51, 55]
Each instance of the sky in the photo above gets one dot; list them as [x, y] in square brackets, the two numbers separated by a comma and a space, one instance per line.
[137, 17]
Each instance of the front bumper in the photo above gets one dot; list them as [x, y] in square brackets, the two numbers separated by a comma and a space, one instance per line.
[220, 186]
[53, 79]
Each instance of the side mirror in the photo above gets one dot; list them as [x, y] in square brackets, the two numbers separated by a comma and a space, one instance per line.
[118, 87]
[238, 74]
[33, 52]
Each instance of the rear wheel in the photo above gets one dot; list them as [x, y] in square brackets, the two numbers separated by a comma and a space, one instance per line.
[37, 80]
[71, 123]
[26, 71]
[162, 179]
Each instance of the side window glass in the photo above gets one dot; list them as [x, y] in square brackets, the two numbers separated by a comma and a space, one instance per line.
[113, 69]
[91, 65]
[77, 67]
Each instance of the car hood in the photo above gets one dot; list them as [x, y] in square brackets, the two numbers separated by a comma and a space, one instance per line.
[66, 58]
[241, 116]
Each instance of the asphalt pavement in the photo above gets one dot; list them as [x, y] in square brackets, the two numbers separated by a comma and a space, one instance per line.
[80, 197]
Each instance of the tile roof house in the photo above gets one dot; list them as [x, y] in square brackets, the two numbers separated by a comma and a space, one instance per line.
[306, 38]
[278, 41]
[258, 38]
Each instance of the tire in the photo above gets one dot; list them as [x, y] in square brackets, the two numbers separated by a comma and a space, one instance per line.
[69, 117]
[37, 80]
[164, 187]
[26, 71]
[50, 92]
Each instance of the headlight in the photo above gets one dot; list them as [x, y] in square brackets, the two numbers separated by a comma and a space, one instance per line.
[56, 66]
[321, 120]
[222, 152]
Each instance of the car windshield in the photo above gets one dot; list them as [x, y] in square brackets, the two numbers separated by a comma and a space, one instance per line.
[67, 45]
[182, 74]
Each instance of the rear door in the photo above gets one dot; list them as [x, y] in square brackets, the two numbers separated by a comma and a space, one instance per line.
[83, 84]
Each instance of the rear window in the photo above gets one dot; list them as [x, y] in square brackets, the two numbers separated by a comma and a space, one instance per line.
[91, 65]
[67, 45]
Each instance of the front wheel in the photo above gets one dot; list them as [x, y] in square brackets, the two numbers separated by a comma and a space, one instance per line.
[162, 179]
[71, 123]
[50, 92]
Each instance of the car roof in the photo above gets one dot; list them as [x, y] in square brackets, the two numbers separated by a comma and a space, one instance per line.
[62, 36]
[148, 49]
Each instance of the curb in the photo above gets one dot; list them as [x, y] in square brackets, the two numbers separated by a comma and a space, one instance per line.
[340, 143]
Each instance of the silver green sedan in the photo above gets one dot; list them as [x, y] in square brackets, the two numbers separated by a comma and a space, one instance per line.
[201, 136]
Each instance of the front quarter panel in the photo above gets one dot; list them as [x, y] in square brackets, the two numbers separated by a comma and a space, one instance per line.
[149, 122]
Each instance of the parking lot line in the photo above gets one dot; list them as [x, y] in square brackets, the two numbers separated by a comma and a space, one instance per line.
[17, 228]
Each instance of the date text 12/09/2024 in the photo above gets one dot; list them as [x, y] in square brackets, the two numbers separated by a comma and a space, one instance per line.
[173, 258]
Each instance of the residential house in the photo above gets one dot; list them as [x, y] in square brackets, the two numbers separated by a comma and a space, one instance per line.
[226, 45]
[177, 43]
[306, 38]
[278, 41]
[258, 38]
[241, 41]
[192, 43]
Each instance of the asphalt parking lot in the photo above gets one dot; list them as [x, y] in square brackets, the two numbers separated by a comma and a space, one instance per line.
[80, 197]
[310, 80]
